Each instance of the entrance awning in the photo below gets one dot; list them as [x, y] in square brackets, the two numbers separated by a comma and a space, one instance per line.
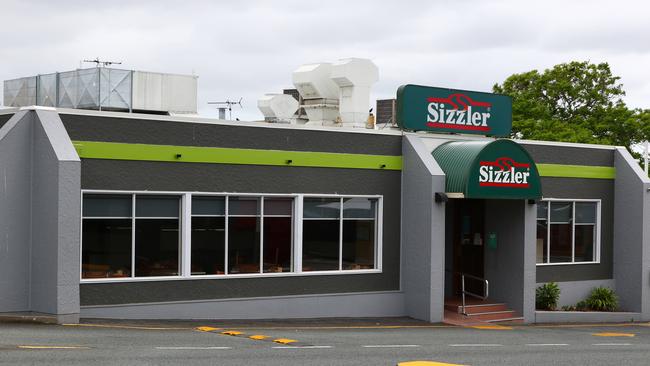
[488, 169]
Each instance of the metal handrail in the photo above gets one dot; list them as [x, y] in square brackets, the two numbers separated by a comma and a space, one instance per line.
[486, 288]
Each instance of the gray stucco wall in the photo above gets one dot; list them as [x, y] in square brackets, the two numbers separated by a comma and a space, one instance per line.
[15, 213]
[142, 175]
[572, 188]
[573, 291]
[43, 215]
[56, 212]
[577, 188]
[632, 235]
[306, 306]
[134, 175]
[423, 232]
[510, 267]
[143, 131]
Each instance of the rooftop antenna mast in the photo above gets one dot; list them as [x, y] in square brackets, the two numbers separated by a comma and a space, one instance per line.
[227, 104]
[103, 63]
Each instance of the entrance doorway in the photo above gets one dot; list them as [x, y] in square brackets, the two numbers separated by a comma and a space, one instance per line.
[467, 243]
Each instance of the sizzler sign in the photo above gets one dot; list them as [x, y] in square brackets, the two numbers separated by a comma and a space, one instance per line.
[504, 172]
[422, 108]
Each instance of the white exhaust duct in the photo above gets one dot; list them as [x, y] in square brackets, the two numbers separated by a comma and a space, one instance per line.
[319, 93]
[354, 76]
[278, 107]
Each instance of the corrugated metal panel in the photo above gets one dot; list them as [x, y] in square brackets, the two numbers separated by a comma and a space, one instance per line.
[115, 88]
[46, 90]
[20, 92]
[456, 158]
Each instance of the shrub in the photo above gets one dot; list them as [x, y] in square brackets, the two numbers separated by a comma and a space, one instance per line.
[602, 299]
[582, 306]
[546, 296]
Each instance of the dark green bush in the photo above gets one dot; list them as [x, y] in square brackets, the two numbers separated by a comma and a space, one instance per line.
[546, 296]
[602, 299]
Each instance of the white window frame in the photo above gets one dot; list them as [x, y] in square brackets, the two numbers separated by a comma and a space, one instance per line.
[573, 202]
[185, 234]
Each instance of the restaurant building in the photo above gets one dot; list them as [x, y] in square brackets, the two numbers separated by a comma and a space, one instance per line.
[137, 216]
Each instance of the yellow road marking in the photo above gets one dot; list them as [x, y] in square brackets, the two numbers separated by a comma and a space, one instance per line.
[207, 329]
[258, 337]
[232, 333]
[491, 327]
[53, 347]
[613, 334]
[426, 363]
[284, 341]
[123, 327]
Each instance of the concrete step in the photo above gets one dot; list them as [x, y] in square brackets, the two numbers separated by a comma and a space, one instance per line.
[483, 308]
[493, 315]
[516, 320]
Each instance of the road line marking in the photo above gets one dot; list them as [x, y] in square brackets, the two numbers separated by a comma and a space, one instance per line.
[191, 348]
[232, 333]
[258, 337]
[613, 334]
[301, 347]
[123, 327]
[490, 327]
[546, 344]
[53, 347]
[285, 341]
[612, 344]
[207, 329]
[476, 345]
[426, 363]
[391, 346]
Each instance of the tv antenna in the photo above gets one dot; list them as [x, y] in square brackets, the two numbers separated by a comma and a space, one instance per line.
[227, 104]
[102, 63]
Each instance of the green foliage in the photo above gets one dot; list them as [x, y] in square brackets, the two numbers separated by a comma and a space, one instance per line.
[546, 296]
[574, 102]
[602, 299]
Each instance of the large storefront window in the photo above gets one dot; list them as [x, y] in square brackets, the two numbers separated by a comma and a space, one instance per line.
[138, 235]
[107, 231]
[567, 232]
[332, 241]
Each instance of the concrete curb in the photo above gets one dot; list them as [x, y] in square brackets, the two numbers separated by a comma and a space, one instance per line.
[585, 317]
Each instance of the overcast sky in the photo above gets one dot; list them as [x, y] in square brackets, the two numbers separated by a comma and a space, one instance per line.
[248, 48]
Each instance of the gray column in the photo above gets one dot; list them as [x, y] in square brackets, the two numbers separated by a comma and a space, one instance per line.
[423, 232]
[42, 208]
[510, 267]
[631, 234]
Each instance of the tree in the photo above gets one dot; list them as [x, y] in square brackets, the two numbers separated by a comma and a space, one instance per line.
[574, 102]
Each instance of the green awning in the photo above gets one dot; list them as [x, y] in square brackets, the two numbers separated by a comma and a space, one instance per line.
[488, 169]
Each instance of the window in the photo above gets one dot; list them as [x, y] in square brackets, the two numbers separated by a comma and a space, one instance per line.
[115, 241]
[107, 232]
[208, 255]
[149, 235]
[567, 231]
[339, 234]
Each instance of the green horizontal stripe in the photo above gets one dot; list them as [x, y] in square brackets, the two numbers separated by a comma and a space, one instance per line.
[576, 171]
[220, 155]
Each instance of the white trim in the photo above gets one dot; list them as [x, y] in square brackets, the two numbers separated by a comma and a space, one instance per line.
[341, 233]
[297, 233]
[185, 233]
[225, 239]
[261, 223]
[233, 275]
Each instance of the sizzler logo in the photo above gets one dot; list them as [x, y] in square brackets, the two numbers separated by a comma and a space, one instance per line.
[458, 112]
[504, 172]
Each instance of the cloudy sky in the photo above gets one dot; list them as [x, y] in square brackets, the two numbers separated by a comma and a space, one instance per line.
[248, 48]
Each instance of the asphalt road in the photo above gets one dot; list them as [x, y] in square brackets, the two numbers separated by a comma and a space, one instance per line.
[321, 344]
